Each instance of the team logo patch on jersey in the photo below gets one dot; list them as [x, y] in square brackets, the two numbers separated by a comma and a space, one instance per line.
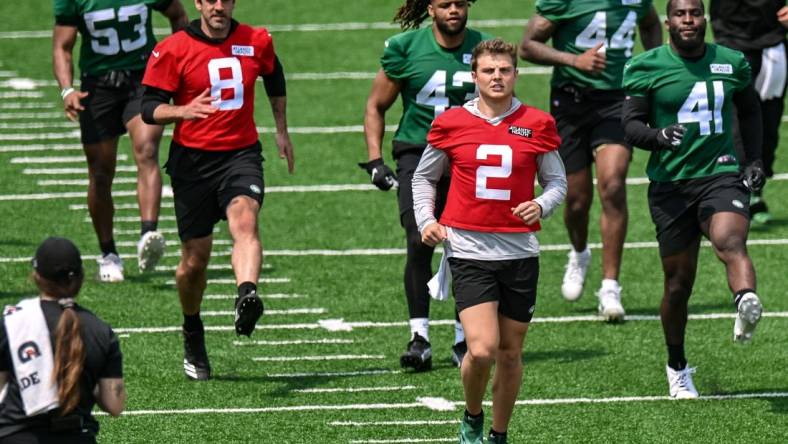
[721, 68]
[466, 58]
[631, 2]
[726, 159]
[520, 131]
[241, 50]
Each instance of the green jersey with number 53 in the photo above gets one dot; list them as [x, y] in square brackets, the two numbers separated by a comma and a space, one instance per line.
[432, 79]
[582, 24]
[697, 94]
[116, 34]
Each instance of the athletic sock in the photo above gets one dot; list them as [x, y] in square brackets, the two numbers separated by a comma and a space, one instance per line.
[474, 417]
[108, 247]
[246, 288]
[459, 333]
[420, 326]
[676, 359]
[494, 434]
[611, 284]
[739, 294]
[148, 225]
[192, 323]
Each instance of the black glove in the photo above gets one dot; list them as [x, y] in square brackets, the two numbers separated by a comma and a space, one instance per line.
[669, 138]
[381, 175]
[753, 176]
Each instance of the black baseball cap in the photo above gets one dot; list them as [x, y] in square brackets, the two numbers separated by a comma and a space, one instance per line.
[58, 259]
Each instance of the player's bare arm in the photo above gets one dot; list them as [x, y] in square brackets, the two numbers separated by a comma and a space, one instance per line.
[199, 108]
[283, 143]
[782, 16]
[110, 395]
[651, 30]
[63, 40]
[384, 93]
[433, 234]
[530, 212]
[176, 14]
[534, 48]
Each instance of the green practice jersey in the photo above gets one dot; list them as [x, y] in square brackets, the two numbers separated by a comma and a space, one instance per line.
[697, 94]
[116, 34]
[431, 78]
[582, 24]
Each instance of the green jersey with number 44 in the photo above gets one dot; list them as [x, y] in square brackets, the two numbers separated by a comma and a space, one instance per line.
[432, 79]
[116, 34]
[697, 94]
[582, 24]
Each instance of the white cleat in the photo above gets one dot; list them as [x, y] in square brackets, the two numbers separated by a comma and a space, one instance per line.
[680, 382]
[610, 307]
[575, 275]
[110, 268]
[150, 249]
[747, 317]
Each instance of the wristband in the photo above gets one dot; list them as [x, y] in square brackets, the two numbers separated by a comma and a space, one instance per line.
[66, 91]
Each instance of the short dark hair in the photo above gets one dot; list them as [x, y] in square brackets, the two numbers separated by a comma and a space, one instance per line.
[494, 46]
[670, 3]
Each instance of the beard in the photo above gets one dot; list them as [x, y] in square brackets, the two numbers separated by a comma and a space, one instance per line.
[688, 44]
[451, 30]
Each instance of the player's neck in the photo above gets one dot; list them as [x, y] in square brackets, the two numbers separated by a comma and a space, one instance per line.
[694, 53]
[448, 41]
[214, 33]
[492, 108]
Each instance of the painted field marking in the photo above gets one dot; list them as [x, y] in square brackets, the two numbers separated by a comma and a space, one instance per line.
[400, 440]
[317, 358]
[391, 423]
[32, 115]
[335, 374]
[123, 219]
[265, 266]
[295, 342]
[82, 182]
[82, 171]
[17, 105]
[264, 296]
[436, 403]
[38, 125]
[57, 159]
[355, 389]
[232, 281]
[40, 147]
[21, 94]
[284, 312]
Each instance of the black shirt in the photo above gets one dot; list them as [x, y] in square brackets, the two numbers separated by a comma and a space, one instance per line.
[103, 359]
[747, 24]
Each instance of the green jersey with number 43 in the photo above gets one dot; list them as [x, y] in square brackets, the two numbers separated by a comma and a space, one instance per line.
[697, 94]
[432, 79]
[582, 24]
[116, 34]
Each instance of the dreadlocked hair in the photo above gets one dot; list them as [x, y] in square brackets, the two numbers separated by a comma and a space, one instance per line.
[411, 14]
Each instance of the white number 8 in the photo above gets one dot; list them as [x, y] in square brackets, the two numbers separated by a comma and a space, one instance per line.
[483, 172]
[218, 84]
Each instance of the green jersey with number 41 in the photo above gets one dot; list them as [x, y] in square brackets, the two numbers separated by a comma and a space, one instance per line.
[116, 34]
[582, 24]
[697, 94]
[432, 79]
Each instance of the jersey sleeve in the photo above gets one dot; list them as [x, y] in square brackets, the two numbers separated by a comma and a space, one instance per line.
[636, 80]
[163, 71]
[66, 13]
[552, 10]
[439, 133]
[113, 368]
[267, 53]
[394, 60]
[549, 140]
[743, 73]
[159, 5]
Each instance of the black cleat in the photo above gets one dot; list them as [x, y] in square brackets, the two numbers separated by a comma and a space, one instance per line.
[248, 310]
[195, 358]
[458, 351]
[418, 356]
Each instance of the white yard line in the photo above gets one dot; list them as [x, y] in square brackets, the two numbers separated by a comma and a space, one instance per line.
[57, 159]
[126, 219]
[232, 281]
[356, 389]
[317, 358]
[38, 125]
[21, 94]
[40, 147]
[401, 440]
[82, 182]
[80, 171]
[284, 312]
[264, 296]
[295, 342]
[391, 423]
[336, 374]
[32, 115]
[26, 105]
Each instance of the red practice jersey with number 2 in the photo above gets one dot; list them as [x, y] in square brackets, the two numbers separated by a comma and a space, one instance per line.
[493, 166]
[186, 66]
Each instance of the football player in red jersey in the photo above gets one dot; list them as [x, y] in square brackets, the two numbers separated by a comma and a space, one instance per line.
[495, 147]
[215, 161]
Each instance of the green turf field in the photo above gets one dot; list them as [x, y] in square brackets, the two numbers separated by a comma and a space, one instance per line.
[323, 366]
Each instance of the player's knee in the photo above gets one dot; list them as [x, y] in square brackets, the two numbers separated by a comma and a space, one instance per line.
[483, 352]
[578, 203]
[678, 291]
[146, 152]
[102, 178]
[192, 266]
[613, 193]
[509, 359]
[730, 245]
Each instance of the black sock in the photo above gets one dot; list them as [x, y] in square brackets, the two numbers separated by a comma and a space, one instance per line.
[148, 225]
[192, 322]
[494, 434]
[246, 288]
[676, 359]
[108, 247]
[738, 295]
[474, 417]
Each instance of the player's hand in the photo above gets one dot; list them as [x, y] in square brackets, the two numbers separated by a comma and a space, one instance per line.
[286, 150]
[72, 104]
[380, 174]
[433, 234]
[593, 60]
[529, 212]
[782, 16]
[200, 107]
[753, 176]
[670, 137]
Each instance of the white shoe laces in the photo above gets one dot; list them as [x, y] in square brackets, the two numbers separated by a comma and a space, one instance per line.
[684, 380]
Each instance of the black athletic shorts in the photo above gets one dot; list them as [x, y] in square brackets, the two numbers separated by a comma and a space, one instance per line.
[406, 165]
[45, 436]
[585, 120]
[201, 198]
[113, 99]
[512, 283]
[679, 208]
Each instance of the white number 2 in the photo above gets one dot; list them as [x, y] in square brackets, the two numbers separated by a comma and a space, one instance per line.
[696, 107]
[483, 172]
[218, 84]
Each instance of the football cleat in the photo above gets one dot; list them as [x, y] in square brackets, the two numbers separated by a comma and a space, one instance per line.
[248, 310]
[195, 358]
[575, 275]
[472, 429]
[458, 351]
[610, 307]
[680, 383]
[747, 317]
[759, 211]
[418, 355]
[496, 439]
[110, 268]
[150, 249]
